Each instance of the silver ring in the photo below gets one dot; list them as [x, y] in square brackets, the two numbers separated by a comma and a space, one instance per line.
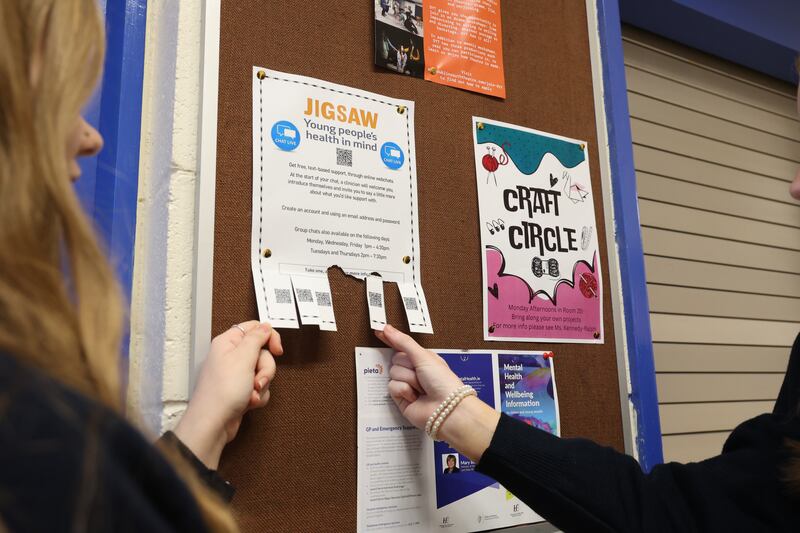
[240, 328]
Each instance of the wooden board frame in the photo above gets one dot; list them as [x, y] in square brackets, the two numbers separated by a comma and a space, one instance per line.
[255, 478]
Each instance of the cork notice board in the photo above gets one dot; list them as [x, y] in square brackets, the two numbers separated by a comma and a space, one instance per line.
[294, 463]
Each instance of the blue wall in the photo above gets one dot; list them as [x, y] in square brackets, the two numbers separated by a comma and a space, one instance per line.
[763, 35]
[109, 183]
[108, 186]
[643, 394]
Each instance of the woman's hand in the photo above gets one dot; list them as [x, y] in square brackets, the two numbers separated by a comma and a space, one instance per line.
[235, 378]
[420, 380]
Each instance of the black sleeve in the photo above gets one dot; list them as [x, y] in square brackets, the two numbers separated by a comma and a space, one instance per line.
[579, 485]
[70, 464]
[788, 404]
[211, 477]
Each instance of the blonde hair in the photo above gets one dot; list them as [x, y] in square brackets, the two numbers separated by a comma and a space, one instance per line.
[60, 306]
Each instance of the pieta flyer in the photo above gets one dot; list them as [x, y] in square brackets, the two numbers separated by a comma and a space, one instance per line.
[407, 482]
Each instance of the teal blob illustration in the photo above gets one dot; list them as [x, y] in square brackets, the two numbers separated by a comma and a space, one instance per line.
[527, 149]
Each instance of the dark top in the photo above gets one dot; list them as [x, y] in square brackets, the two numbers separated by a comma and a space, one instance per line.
[69, 464]
[581, 486]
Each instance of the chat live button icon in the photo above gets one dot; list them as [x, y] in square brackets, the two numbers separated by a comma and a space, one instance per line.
[285, 135]
[392, 155]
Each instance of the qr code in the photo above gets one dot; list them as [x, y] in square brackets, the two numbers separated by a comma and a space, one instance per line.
[375, 299]
[283, 296]
[324, 299]
[344, 157]
[411, 304]
[305, 296]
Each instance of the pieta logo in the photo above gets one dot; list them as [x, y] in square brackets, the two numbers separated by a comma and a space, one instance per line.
[445, 520]
[516, 508]
[377, 369]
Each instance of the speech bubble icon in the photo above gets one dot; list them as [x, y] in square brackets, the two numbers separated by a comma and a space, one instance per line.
[392, 155]
[286, 131]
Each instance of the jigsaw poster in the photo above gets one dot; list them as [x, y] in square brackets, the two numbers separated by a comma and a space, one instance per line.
[541, 261]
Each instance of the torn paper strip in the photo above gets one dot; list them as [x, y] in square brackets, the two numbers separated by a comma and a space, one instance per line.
[375, 303]
[416, 307]
[306, 304]
[314, 301]
[277, 304]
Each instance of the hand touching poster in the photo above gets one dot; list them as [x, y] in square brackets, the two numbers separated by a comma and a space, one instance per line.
[541, 261]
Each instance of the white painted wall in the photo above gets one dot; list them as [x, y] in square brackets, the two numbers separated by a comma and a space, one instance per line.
[161, 306]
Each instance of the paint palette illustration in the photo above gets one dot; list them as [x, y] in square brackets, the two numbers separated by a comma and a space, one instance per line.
[588, 285]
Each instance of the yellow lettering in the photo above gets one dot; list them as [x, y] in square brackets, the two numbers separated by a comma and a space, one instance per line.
[327, 110]
[341, 113]
[354, 117]
[369, 119]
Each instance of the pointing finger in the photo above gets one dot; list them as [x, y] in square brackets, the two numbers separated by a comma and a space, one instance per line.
[403, 343]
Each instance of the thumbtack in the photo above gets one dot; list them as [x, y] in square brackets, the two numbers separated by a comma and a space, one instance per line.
[491, 328]
[548, 355]
[432, 70]
[583, 147]
[267, 253]
[596, 334]
[261, 75]
[406, 259]
[401, 109]
[479, 125]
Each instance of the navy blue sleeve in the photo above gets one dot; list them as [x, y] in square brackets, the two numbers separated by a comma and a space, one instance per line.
[70, 464]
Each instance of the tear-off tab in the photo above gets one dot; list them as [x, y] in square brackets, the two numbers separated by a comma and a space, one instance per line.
[280, 308]
[314, 301]
[375, 303]
[416, 307]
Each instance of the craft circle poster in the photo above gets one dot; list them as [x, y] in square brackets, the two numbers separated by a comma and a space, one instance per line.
[541, 260]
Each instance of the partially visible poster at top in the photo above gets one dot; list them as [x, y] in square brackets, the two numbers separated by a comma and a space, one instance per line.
[451, 42]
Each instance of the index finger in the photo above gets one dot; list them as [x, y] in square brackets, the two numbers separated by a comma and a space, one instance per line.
[401, 342]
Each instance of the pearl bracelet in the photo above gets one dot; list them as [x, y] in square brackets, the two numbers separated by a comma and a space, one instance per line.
[441, 407]
[444, 409]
